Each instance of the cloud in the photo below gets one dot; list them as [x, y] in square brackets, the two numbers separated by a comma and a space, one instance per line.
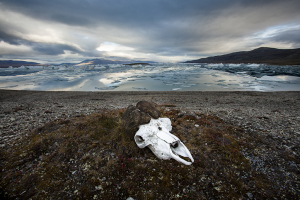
[13, 51]
[290, 36]
[52, 49]
[157, 29]
[9, 38]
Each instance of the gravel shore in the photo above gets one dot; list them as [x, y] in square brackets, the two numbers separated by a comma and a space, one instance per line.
[276, 114]
[269, 133]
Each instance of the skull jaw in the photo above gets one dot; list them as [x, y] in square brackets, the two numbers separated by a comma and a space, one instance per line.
[169, 152]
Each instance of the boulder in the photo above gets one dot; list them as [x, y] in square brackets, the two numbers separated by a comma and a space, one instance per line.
[150, 108]
[132, 119]
[134, 116]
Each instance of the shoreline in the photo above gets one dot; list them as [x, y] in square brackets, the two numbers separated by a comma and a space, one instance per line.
[276, 114]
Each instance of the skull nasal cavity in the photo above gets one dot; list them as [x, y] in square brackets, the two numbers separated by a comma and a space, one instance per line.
[174, 145]
[140, 139]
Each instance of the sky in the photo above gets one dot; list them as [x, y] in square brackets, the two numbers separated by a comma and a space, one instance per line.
[60, 31]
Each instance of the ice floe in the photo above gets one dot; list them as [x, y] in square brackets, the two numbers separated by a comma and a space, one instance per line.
[154, 77]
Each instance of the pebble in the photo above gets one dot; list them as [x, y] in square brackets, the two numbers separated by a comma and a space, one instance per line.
[250, 195]
[65, 105]
[72, 104]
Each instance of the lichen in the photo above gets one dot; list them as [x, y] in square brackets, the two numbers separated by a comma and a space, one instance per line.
[89, 157]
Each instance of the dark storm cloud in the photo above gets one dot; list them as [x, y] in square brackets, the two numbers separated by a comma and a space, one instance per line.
[8, 38]
[288, 36]
[71, 20]
[162, 27]
[52, 49]
[41, 48]
[128, 12]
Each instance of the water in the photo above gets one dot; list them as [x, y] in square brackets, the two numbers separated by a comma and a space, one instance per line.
[156, 77]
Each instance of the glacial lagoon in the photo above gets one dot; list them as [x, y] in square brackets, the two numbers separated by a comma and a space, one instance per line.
[152, 77]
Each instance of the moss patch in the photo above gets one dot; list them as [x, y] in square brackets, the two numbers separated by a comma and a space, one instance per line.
[89, 157]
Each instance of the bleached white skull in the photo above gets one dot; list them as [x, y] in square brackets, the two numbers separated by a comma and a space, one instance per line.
[156, 135]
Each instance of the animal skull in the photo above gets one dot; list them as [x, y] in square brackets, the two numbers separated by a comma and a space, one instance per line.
[156, 135]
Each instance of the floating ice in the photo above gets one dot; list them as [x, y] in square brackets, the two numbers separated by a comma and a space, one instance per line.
[115, 65]
[136, 66]
[234, 65]
[161, 76]
[31, 67]
[139, 88]
[215, 65]
[176, 89]
[253, 65]
[100, 67]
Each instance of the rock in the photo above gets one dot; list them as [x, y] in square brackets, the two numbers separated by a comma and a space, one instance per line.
[140, 114]
[250, 195]
[150, 108]
[132, 119]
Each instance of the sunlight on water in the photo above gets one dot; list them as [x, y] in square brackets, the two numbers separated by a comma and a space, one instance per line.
[156, 77]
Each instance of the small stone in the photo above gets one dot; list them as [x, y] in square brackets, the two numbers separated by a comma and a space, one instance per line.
[249, 195]
[217, 188]
[99, 187]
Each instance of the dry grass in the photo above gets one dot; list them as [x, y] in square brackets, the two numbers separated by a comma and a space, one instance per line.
[89, 157]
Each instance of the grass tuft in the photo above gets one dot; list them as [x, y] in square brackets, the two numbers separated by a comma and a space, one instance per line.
[89, 157]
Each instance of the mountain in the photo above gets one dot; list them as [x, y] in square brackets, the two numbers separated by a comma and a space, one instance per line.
[7, 63]
[264, 55]
[100, 61]
[104, 61]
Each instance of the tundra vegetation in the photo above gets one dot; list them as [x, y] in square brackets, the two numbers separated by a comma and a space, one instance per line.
[90, 157]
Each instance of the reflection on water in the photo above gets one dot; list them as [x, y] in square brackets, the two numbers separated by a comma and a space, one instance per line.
[158, 77]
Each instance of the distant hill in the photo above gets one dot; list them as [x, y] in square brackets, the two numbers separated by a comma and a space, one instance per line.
[7, 63]
[264, 55]
[100, 62]
[137, 63]
[104, 61]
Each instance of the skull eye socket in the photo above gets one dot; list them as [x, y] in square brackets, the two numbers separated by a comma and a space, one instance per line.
[174, 144]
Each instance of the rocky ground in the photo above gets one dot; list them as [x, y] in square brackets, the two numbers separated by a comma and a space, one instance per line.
[269, 124]
[275, 113]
